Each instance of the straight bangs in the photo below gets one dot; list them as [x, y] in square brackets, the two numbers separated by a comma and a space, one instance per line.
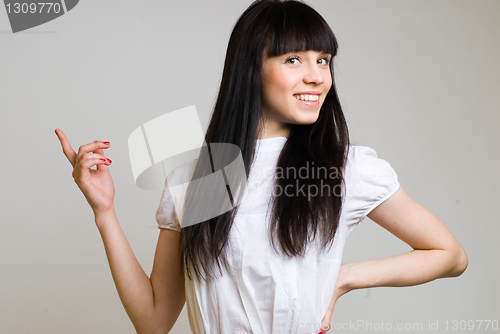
[295, 26]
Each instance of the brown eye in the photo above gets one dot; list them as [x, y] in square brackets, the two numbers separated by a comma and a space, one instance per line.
[325, 59]
[292, 60]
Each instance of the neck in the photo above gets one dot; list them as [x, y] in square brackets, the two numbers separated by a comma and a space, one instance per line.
[268, 132]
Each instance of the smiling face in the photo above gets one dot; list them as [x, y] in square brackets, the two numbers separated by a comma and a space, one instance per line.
[294, 87]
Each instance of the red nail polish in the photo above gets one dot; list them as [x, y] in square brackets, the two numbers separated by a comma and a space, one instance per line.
[109, 160]
[105, 142]
[103, 159]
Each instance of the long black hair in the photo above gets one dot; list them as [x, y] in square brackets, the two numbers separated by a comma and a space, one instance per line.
[278, 27]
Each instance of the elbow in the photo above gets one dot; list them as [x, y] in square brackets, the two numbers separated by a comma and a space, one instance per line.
[460, 262]
[153, 331]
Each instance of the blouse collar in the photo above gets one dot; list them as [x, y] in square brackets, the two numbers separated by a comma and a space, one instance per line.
[270, 144]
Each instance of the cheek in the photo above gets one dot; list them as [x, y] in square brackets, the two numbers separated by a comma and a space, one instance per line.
[328, 82]
[277, 83]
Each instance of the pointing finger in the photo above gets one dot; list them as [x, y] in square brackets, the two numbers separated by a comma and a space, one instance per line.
[66, 147]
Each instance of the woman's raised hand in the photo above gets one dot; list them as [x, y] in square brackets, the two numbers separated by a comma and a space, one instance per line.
[96, 185]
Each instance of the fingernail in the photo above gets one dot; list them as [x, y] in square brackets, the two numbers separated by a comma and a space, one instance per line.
[103, 159]
[109, 160]
[105, 142]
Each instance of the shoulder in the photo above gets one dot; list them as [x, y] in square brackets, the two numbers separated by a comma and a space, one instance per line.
[182, 173]
[369, 181]
[363, 163]
[168, 212]
[359, 155]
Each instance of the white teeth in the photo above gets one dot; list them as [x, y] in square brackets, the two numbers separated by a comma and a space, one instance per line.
[307, 97]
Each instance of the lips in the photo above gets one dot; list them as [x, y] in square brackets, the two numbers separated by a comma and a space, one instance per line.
[310, 103]
[309, 92]
[308, 98]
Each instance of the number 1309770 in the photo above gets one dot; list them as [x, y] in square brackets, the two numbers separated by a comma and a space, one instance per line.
[471, 325]
[32, 7]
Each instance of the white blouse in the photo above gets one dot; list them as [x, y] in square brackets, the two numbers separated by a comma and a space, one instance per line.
[269, 293]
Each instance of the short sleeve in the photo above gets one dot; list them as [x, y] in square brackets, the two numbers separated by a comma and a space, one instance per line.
[172, 198]
[369, 181]
[166, 216]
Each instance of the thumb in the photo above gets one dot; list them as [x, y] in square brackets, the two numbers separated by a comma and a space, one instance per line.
[325, 325]
[326, 322]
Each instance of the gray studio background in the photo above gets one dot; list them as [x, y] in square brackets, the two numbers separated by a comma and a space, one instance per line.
[419, 82]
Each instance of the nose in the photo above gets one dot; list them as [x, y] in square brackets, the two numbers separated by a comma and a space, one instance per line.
[314, 75]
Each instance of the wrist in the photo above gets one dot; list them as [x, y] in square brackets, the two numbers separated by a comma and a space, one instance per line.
[345, 279]
[104, 216]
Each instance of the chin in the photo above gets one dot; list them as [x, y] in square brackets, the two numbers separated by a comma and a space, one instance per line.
[307, 119]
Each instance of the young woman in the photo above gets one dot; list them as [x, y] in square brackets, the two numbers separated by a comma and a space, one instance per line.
[272, 264]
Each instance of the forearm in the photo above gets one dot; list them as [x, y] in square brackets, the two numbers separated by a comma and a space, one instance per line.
[411, 268]
[133, 285]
